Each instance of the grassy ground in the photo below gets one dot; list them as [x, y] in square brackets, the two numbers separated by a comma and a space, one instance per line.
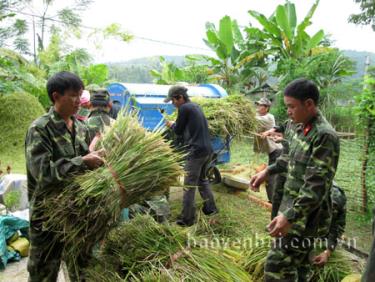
[347, 176]
[16, 160]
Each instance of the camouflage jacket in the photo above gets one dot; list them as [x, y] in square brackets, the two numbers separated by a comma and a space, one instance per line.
[311, 166]
[338, 222]
[97, 121]
[53, 154]
[287, 129]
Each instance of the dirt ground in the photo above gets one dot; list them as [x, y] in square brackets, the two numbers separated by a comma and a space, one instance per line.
[17, 272]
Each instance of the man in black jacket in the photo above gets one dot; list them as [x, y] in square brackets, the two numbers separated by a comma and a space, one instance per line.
[192, 125]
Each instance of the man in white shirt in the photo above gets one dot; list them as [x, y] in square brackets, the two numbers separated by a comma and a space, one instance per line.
[266, 121]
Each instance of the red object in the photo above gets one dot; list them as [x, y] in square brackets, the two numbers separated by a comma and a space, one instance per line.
[307, 129]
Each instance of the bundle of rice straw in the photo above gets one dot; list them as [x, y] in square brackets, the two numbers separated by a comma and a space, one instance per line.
[232, 115]
[138, 164]
[143, 250]
[255, 257]
[335, 270]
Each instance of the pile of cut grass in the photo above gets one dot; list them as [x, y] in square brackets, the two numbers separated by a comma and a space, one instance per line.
[143, 250]
[233, 115]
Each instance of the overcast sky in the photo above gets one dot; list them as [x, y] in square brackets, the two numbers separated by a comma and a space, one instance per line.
[183, 22]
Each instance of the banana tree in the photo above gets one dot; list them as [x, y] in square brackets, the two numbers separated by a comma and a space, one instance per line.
[169, 73]
[234, 62]
[194, 71]
[284, 38]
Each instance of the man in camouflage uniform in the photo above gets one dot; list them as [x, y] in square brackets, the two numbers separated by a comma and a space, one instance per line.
[56, 148]
[99, 117]
[282, 133]
[306, 209]
[337, 226]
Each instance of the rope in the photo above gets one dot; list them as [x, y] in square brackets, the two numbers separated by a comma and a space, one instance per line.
[119, 185]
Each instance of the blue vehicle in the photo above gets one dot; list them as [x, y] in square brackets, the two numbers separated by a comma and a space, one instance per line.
[149, 99]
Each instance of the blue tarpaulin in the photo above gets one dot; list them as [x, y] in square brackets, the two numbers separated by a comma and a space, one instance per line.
[8, 226]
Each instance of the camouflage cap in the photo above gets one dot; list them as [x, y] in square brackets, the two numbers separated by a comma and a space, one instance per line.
[263, 101]
[175, 91]
[100, 97]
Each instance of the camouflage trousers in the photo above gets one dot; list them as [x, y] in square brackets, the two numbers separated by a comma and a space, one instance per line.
[288, 260]
[44, 259]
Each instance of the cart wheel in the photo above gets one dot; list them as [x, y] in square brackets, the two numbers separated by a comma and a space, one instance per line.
[214, 175]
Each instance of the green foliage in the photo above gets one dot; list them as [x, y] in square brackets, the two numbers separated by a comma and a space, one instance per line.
[194, 72]
[19, 75]
[12, 200]
[58, 57]
[236, 60]
[13, 30]
[169, 73]
[17, 111]
[327, 67]
[285, 39]
[297, 54]
[367, 14]
[366, 113]
[69, 21]
[94, 74]
[366, 100]
[115, 30]
[49, 59]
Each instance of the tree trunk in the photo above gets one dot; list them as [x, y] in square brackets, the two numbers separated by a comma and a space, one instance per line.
[364, 167]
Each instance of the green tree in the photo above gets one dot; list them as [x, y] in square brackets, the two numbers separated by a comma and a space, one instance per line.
[169, 73]
[95, 74]
[283, 38]
[367, 15]
[366, 113]
[294, 53]
[18, 75]
[12, 29]
[234, 63]
[195, 71]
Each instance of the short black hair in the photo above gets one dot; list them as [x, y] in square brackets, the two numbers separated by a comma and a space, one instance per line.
[63, 81]
[302, 89]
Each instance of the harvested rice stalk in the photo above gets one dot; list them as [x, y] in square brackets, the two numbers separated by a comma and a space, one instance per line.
[143, 250]
[138, 163]
[233, 115]
[255, 256]
[208, 265]
[137, 244]
[335, 270]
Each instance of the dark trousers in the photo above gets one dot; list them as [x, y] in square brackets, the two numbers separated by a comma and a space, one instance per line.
[195, 169]
[45, 259]
[272, 157]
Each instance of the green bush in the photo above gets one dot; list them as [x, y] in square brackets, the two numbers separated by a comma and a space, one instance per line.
[17, 111]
